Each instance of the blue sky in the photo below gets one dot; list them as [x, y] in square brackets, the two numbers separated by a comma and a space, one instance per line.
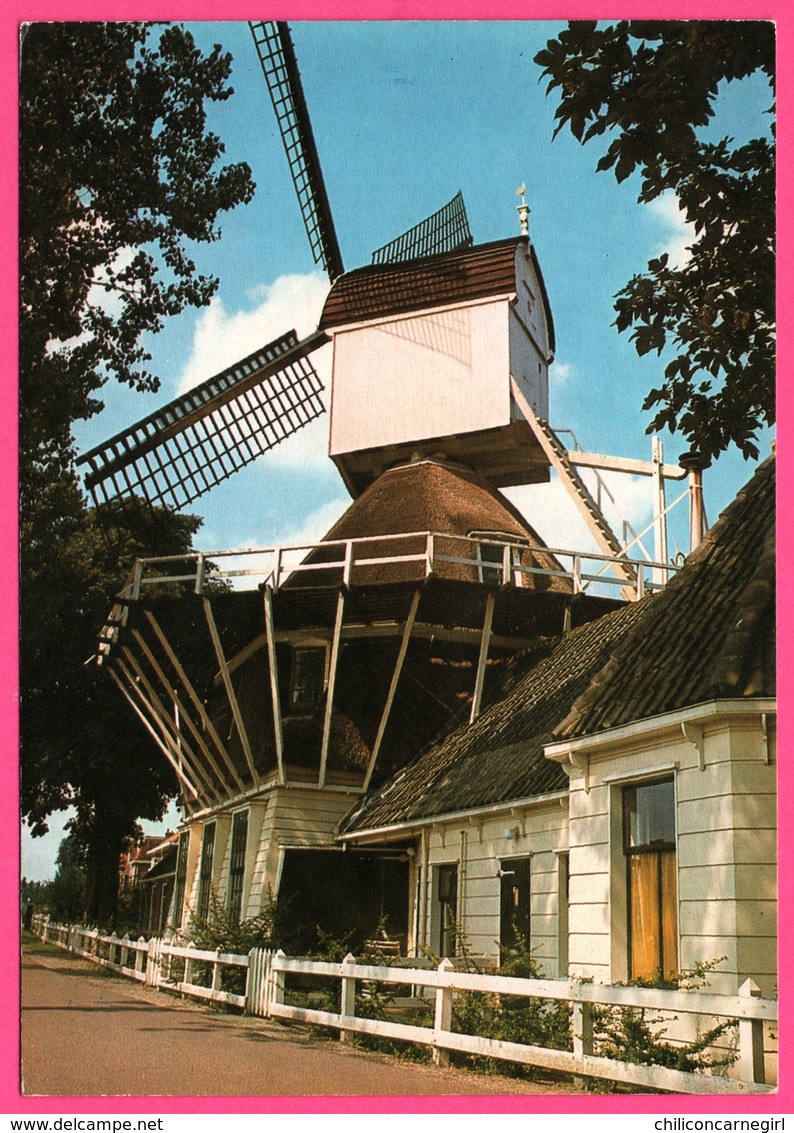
[406, 114]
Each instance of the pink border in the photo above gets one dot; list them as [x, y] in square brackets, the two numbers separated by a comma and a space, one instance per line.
[14, 13]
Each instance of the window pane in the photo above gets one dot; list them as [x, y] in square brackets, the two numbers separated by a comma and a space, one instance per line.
[654, 915]
[205, 875]
[308, 679]
[237, 865]
[644, 905]
[650, 814]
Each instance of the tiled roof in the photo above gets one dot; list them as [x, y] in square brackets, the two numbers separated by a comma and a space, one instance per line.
[500, 756]
[379, 290]
[706, 635]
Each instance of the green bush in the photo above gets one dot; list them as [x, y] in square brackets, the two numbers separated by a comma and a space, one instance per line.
[637, 1034]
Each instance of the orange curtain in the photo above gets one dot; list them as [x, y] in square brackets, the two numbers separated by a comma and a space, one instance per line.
[654, 919]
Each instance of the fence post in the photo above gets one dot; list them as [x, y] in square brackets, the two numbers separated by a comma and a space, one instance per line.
[751, 1039]
[348, 999]
[187, 975]
[153, 963]
[443, 1016]
[216, 972]
[277, 979]
[582, 1028]
[140, 957]
[582, 1020]
[257, 984]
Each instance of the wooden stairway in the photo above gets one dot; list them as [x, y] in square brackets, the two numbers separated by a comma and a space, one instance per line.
[557, 455]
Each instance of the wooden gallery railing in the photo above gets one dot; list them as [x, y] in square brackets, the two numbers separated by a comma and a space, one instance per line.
[173, 966]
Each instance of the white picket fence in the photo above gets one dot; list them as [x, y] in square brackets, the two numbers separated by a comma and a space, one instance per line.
[170, 965]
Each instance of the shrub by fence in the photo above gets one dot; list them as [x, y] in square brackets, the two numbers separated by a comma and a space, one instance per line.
[197, 972]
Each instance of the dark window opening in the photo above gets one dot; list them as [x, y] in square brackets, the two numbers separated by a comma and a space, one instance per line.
[237, 865]
[205, 872]
[447, 899]
[514, 903]
[307, 680]
[649, 845]
[180, 879]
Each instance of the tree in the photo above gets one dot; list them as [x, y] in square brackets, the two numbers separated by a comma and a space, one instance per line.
[118, 175]
[650, 89]
[66, 891]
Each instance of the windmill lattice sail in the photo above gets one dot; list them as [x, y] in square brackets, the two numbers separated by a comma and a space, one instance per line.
[280, 68]
[444, 231]
[200, 439]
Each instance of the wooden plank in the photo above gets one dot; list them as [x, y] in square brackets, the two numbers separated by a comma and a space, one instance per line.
[695, 1002]
[329, 701]
[409, 624]
[392, 629]
[196, 700]
[230, 693]
[485, 642]
[578, 491]
[275, 696]
[160, 741]
[185, 715]
[625, 464]
[589, 1066]
[192, 763]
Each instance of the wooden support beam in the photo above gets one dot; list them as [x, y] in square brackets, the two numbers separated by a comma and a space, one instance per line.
[278, 727]
[459, 634]
[192, 762]
[659, 513]
[194, 697]
[624, 464]
[230, 693]
[183, 713]
[578, 491]
[485, 642]
[329, 699]
[160, 740]
[409, 624]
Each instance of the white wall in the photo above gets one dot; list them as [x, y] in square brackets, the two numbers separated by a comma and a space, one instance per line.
[477, 849]
[420, 376]
[726, 872]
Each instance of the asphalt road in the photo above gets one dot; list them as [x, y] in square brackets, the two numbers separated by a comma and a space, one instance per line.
[85, 1033]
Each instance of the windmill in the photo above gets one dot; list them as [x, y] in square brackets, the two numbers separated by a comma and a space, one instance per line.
[196, 441]
[176, 454]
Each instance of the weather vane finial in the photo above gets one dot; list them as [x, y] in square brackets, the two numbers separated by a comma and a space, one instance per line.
[523, 209]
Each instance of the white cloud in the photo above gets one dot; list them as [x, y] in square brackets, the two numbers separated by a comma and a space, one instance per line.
[560, 372]
[317, 524]
[677, 234]
[223, 337]
[550, 509]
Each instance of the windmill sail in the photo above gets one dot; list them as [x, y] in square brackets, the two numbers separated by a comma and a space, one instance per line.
[200, 439]
[277, 56]
[444, 231]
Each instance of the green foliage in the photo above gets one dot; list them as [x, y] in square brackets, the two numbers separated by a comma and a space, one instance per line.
[118, 175]
[271, 928]
[520, 1019]
[637, 1034]
[66, 897]
[651, 89]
